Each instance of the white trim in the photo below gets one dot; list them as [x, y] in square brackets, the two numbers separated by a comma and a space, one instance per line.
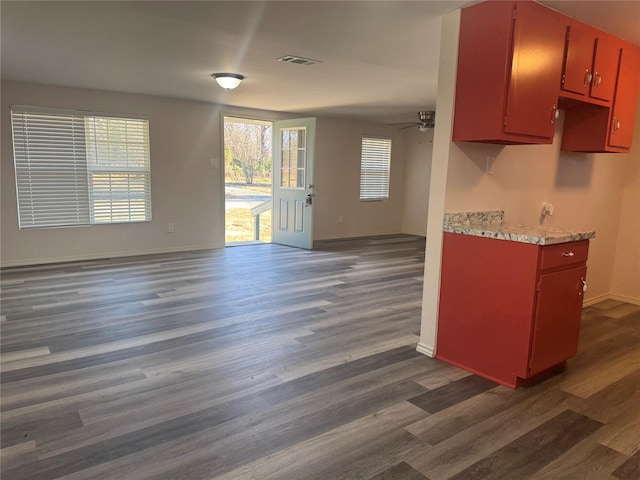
[251, 114]
[245, 119]
[427, 350]
[594, 300]
[359, 235]
[625, 299]
[442, 146]
[222, 195]
[76, 258]
[611, 296]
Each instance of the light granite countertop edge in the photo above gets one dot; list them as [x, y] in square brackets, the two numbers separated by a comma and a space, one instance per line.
[491, 224]
[501, 232]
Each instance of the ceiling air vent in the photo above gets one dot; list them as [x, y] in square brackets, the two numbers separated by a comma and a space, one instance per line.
[297, 60]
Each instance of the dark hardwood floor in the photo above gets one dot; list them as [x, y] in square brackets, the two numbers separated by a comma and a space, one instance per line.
[267, 362]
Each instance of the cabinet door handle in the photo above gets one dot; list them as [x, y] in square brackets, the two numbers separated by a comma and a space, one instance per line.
[554, 114]
[584, 286]
[587, 77]
[597, 80]
[568, 254]
[616, 124]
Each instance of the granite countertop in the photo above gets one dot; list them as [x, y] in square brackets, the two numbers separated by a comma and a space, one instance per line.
[491, 224]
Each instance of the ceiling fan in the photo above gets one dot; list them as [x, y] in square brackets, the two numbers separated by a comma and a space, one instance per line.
[425, 120]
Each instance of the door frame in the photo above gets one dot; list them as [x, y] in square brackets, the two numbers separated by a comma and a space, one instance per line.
[218, 164]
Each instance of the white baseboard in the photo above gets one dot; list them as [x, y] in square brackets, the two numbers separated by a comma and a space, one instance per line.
[79, 258]
[625, 299]
[594, 300]
[611, 296]
[99, 256]
[346, 236]
[427, 350]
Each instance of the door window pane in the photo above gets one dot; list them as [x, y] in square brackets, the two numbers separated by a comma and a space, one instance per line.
[294, 155]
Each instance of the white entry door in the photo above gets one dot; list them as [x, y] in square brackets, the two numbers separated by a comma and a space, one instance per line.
[293, 145]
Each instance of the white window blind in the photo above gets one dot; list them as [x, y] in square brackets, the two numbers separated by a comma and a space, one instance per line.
[119, 173]
[51, 169]
[375, 164]
[74, 168]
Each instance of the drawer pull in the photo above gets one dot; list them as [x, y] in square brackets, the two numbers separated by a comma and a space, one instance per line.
[569, 254]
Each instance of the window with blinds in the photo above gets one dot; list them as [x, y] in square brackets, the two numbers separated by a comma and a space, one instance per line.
[118, 169]
[375, 165]
[74, 168]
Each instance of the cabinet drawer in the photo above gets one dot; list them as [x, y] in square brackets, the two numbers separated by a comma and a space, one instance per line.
[561, 254]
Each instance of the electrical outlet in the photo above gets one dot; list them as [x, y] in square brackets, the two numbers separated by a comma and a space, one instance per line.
[171, 228]
[340, 219]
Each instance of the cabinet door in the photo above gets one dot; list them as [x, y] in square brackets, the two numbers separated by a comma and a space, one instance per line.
[557, 318]
[536, 69]
[577, 73]
[605, 68]
[626, 98]
[591, 64]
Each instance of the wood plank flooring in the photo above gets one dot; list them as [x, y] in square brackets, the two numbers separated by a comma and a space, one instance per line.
[267, 362]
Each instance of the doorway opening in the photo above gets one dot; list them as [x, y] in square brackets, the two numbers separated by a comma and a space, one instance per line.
[247, 180]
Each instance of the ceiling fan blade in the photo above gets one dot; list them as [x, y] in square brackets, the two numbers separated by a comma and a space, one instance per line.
[409, 126]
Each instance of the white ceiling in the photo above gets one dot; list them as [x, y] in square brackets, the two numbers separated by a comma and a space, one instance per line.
[379, 58]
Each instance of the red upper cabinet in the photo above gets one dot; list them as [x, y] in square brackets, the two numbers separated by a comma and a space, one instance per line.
[518, 61]
[532, 98]
[626, 99]
[591, 64]
[605, 67]
[594, 128]
[577, 72]
[509, 68]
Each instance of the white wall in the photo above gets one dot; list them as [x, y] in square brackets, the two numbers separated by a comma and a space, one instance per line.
[186, 191]
[438, 181]
[586, 190]
[625, 284]
[417, 174]
[337, 182]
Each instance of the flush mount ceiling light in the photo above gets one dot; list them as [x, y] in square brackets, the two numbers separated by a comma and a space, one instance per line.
[228, 80]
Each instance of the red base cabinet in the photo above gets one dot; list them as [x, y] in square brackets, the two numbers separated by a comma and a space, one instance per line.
[509, 311]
